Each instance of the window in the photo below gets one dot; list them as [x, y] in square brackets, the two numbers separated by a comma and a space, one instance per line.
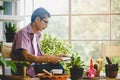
[85, 24]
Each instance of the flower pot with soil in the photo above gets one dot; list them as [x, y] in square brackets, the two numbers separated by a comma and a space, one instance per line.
[111, 70]
[10, 31]
[76, 70]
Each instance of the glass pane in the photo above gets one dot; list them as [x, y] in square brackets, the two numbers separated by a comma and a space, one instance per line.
[27, 20]
[90, 27]
[53, 6]
[115, 6]
[116, 59]
[89, 49]
[90, 6]
[116, 27]
[58, 26]
[28, 7]
[115, 43]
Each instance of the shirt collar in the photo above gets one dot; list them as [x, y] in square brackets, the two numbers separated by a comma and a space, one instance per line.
[31, 31]
[29, 27]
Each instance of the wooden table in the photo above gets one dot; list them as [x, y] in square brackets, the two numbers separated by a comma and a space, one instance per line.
[53, 77]
[99, 78]
[13, 77]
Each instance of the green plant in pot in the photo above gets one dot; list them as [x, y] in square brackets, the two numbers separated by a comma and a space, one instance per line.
[2, 9]
[77, 65]
[52, 45]
[111, 69]
[10, 31]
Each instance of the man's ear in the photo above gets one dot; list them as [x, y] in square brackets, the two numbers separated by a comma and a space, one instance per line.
[37, 19]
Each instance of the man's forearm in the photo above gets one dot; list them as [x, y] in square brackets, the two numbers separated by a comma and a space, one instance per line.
[31, 58]
[24, 55]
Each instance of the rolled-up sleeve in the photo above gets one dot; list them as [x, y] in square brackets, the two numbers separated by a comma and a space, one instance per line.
[22, 40]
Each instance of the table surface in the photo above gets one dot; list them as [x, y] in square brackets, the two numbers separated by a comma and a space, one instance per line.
[85, 78]
[100, 78]
[96, 78]
[13, 77]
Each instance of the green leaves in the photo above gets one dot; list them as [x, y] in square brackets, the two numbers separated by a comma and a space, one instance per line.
[12, 65]
[22, 63]
[76, 61]
[10, 28]
[8, 63]
[2, 61]
[53, 45]
[2, 8]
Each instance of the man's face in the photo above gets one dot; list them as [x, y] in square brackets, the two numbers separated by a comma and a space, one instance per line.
[41, 24]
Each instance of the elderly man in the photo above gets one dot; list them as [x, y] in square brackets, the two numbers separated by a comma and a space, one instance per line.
[26, 45]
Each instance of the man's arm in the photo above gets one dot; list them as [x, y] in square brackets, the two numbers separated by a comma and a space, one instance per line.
[21, 52]
[24, 55]
[31, 58]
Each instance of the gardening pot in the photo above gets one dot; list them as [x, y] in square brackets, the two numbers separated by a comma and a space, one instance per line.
[111, 70]
[9, 37]
[76, 73]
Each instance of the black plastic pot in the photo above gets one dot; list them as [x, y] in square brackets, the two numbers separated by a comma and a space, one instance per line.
[9, 37]
[76, 73]
[111, 70]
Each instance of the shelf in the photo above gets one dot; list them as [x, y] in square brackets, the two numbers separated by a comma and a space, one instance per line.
[5, 18]
[9, 0]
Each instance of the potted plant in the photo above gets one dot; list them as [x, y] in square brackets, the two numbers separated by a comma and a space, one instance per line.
[53, 45]
[2, 8]
[111, 69]
[10, 31]
[76, 70]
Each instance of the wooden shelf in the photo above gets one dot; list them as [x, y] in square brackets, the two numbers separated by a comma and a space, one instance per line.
[9, 0]
[6, 18]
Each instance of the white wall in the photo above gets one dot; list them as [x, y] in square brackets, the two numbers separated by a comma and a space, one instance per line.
[1, 26]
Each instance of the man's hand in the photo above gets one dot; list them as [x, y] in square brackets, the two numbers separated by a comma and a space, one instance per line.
[53, 59]
[61, 55]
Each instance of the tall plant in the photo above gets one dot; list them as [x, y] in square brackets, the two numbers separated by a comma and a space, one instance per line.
[55, 46]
